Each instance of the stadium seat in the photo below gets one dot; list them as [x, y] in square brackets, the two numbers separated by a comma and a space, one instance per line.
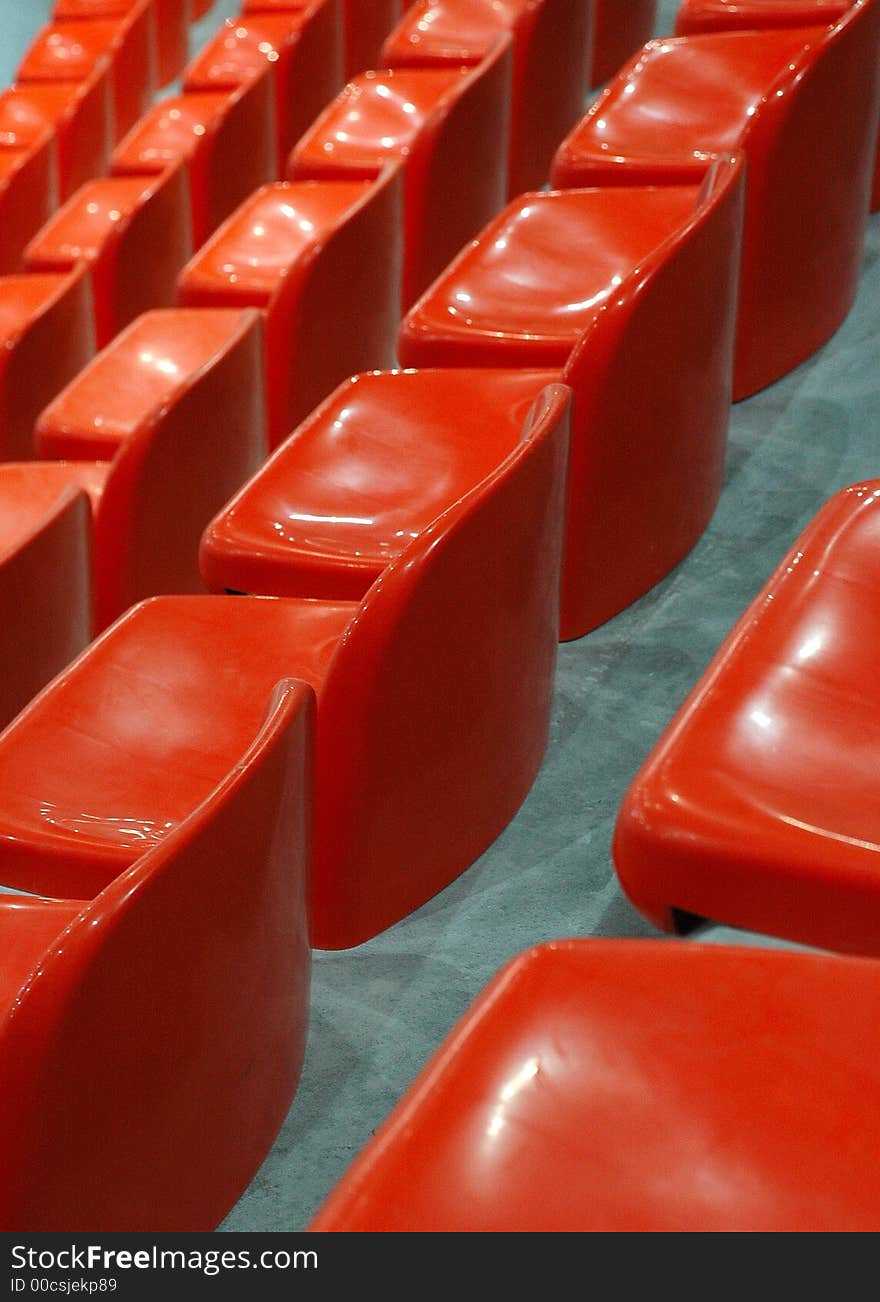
[133, 232]
[802, 103]
[169, 35]
[28, 196]
[637, 1087]
[448, 126]
[79, 114]
[151, 1037]
[176, 401]
[647, 457]
[552, 59]
[225, 138]
[755, 807]
[297, 52]
[323, 260]
[73, 50]
[363, 475]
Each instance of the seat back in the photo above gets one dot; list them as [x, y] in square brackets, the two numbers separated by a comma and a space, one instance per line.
[152, 1054]
[45, 600]
[435, 709]
[811, 150]
[652, 400]
[172, 476]
[348, 290]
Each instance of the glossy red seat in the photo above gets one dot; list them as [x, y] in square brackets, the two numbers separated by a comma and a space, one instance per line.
[47, 335]
[73, 50]
[442, 674]
[133, 232]
[698, 16]
[622, 26]
[297, 52]
[582, 280]
[552, 59]
[367, 23]
[28, 195]
[224, 138]
[629, 1086]
[802, 104]
[323, 261]
[78, 114]
[176, 401]
[152, 1037]
[170, 27]
[447, 126]
[363, 475]
[756, 806]
[45, 585]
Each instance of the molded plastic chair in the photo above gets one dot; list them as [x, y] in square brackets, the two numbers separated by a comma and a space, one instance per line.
[367, 23]
[441, 675]
[697, 16]
[47, 335]
[583, 280]
[71, 50]
[45, 586]
[298, 53]
[363, 475]
[226, 139]
[177, 402]
[448, 126]
[757, 805]
[323, 260]
[802, 104]
[28, 196]
[134, 234]
[152, 1038]
[641, 1087]
[79, 114]
[622, 26]
[170, 27]
[552, 57]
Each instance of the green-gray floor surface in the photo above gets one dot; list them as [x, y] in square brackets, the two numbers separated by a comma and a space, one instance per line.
[379, 1011]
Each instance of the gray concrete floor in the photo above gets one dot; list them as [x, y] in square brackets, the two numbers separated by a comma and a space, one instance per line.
[379, 1011]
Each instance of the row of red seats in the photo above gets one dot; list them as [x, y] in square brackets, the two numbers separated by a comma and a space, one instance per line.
[431, 575]
[163, 381]
[621, 1086]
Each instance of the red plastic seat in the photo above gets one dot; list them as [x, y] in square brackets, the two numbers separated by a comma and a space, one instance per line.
[582, 280]
[448, 126]
[323, 260]
[225, 139]
[152, 1038]
[757, 805]
[133, 232]
[629, 1086]
[367, 23]
[697, 16]
[552, 59]
[802, 104]
[442, 674]
[299, 54]
[47, 335]
[176, 400]
[74, 50]
[622, 26]
[366, 473]
[77, 113]
[170, 27]
[45, 585]
[28, 196]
